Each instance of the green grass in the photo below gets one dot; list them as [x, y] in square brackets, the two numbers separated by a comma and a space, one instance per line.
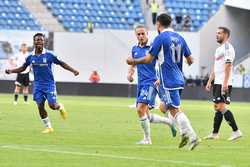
[101, 132]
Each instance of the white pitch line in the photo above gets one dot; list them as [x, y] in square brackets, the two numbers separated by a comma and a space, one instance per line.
[106, 156]
[163, 147]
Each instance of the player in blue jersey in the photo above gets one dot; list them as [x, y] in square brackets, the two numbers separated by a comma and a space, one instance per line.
[146, 88]
[189, 60]
[44, 87]
[167, 48]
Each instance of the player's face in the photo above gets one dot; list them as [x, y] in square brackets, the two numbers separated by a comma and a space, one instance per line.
[220, 36]
[39, 42]
[142, 35]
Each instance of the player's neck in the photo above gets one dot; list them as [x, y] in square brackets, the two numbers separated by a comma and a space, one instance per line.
[143, 44]
[222, 43]
[167, 29]
[38, 51]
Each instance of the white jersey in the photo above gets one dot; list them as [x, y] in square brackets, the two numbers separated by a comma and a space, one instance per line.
[223, 54]
[20, 60]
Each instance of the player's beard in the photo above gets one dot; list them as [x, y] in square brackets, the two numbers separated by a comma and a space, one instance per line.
[220, 41]
[39, 50]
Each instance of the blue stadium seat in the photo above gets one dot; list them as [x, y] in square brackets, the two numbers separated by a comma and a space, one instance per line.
[114, 14]
[16, 17]
[199, 10]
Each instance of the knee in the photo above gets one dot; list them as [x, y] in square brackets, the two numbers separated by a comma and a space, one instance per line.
[219, 107]
[141, 110]
[163, 108]
[17, 90]
[52, 106]
[215, 107]
[173, 111]
[25, 89]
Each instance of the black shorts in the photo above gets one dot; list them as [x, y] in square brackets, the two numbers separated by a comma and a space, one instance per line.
[22, 80]
[218, 97]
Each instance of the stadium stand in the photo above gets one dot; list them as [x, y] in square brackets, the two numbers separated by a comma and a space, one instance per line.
[13, 16]
[105, 14]
[199, 10]
[74, 15]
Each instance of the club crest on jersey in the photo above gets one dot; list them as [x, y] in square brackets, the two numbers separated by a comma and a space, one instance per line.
[44, 60]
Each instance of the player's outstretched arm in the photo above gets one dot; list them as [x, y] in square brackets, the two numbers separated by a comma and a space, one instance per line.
[145, 60]
[15, 70]
[69, 68]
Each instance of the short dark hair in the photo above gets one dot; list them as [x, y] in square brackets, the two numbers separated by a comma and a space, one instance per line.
[38, 34]
[225, 30]
[164, 19]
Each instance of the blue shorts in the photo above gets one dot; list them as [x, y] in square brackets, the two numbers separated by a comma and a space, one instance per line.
[170, 97]
[41, 94]
[146, 94]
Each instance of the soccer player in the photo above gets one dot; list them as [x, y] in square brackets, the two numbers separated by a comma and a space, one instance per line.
[168, 47]
[222, 76]
[44, 87]
[189, 60]
[146, 88]
[22, 80]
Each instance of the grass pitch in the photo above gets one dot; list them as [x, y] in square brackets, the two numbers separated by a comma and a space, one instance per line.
[102, 131]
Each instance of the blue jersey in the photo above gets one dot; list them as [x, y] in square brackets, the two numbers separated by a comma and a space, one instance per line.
[146, 72]
[172, 47]
[42, 68]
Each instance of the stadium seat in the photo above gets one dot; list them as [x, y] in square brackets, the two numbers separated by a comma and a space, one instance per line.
[199, 10]
[12, 14]
[112, 14]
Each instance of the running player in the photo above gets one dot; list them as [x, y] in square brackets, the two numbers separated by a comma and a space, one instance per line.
[173, 47]
[222, 88]
[44, 87]
[146, 88]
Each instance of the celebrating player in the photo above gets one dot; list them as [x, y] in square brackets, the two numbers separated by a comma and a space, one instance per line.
[173, 47]
[146, 89]
[222, 88]
[44, 86]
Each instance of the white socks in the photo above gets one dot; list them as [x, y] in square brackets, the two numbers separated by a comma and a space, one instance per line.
[47, 123]
[145, 124]
[185, 126]
[155, 118]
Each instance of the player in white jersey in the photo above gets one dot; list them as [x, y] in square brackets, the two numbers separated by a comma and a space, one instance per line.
[221, 75]
[22, 80]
